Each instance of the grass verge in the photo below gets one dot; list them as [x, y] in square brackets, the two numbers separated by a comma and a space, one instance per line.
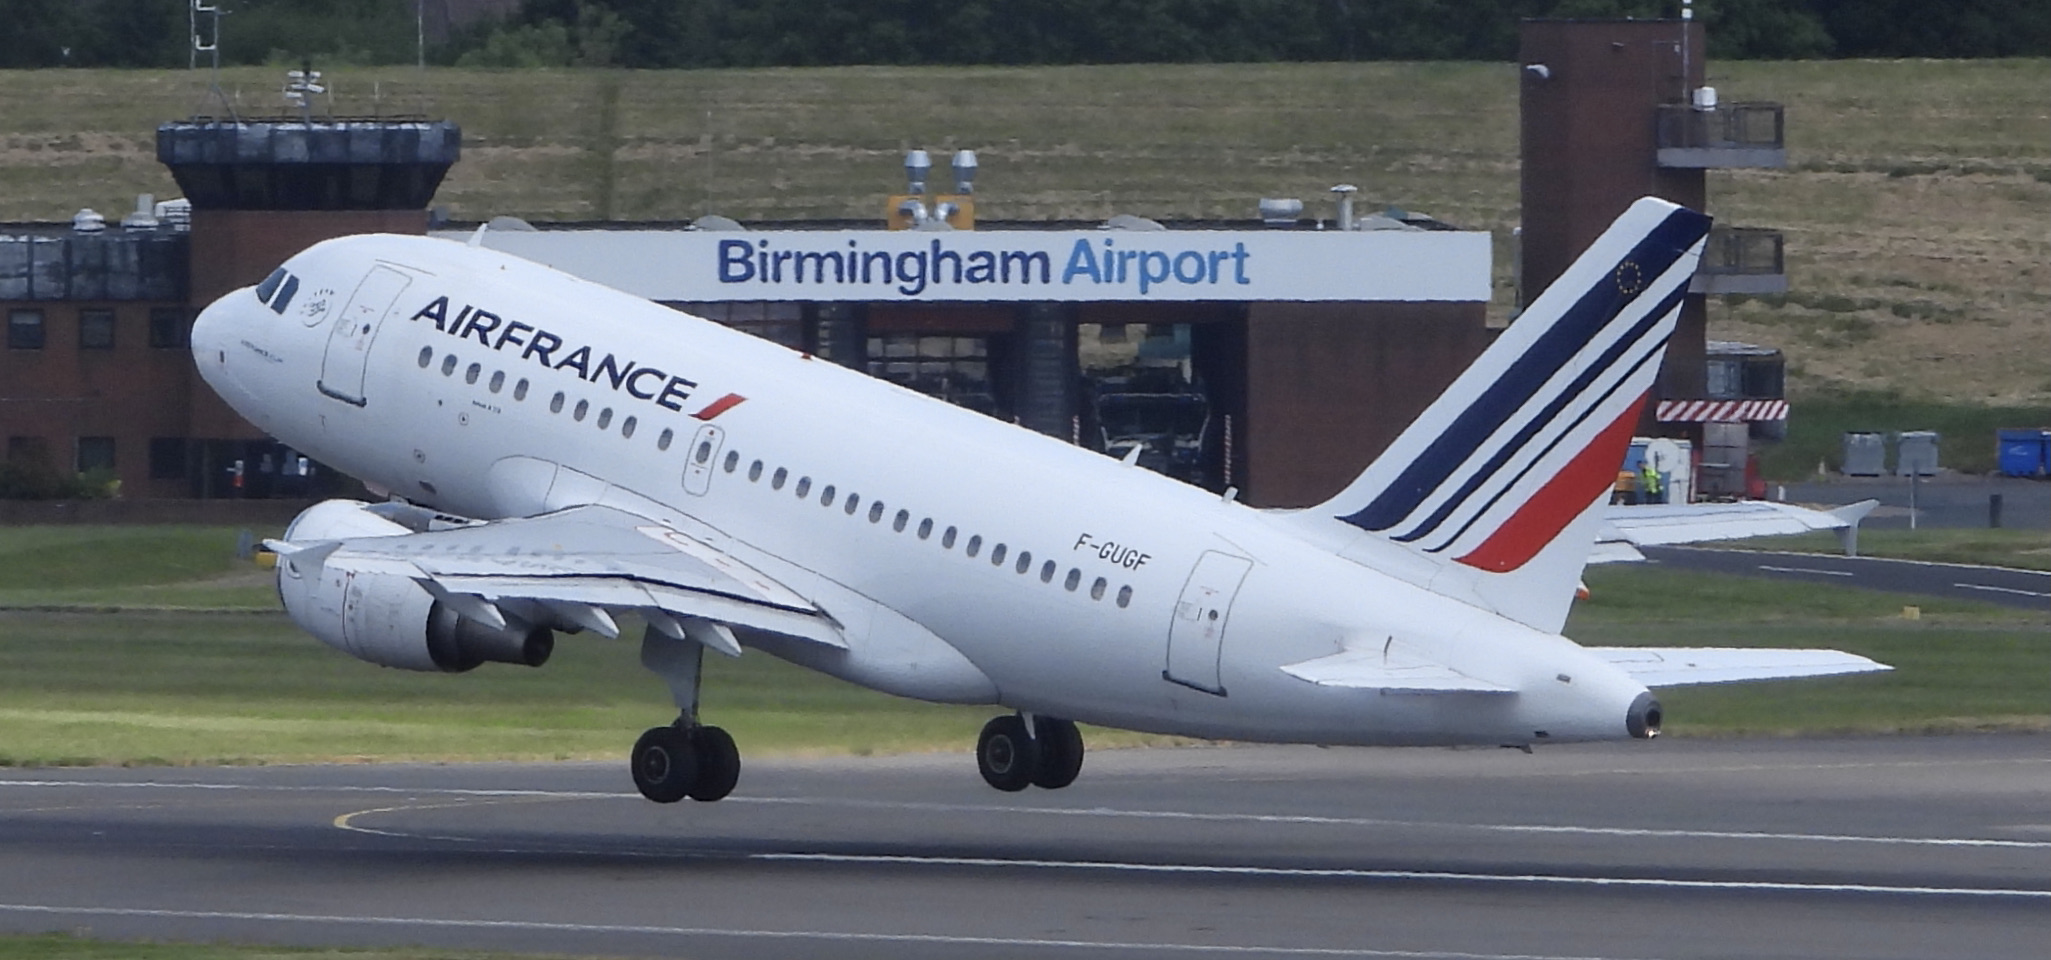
[1962, 666]
[61, 946]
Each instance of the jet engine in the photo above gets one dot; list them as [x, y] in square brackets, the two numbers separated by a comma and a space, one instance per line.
[390, 620]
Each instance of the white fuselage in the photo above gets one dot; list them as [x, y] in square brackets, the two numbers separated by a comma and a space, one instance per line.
[1220, 595]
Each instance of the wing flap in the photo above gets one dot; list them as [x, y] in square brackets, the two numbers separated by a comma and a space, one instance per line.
[1683, 666]
[1390, 671]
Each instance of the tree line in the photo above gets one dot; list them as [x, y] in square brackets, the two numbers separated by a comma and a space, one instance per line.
[758, 33]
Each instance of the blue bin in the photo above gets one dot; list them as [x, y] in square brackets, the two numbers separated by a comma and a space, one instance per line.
[2023, 453]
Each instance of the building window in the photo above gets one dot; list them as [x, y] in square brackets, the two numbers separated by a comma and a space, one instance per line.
[96, 329]
[25, 329]
[169, 328]
[28, 451]
[95, 453]
[167, 458]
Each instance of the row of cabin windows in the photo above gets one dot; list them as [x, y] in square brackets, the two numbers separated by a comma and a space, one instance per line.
[851, 504]
[28, 328]
[497, 384]
[828, 495]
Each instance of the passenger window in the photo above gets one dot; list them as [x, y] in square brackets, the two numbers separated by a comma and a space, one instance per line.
[426, 357]
[1097, 589]
[498, 380]
[754, 471]
[583, 407]
[804, 487]
[627, 428]
[947, 539]
[776, 479]
[854, 500]
[270, 285]
[925, 528]
[662, 441]
[605, 418]
[733, 459]
[1124, 597]
[555, 403]
[1074, 580]
[1025, 560]
[975, 545]
[520, 389]
[997, 555]
[876, 511]
[903, 517]
[1047, 572]
[705, 453]
[448, 365]
[470, 374]
[826, 496]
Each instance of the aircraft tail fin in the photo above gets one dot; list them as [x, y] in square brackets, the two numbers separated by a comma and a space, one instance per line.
[1529, 439]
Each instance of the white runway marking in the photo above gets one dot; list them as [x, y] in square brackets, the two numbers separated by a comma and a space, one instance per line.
[821, 935]
[1994, 589]
[1823, 573]
[1343, 873]
[345, 821]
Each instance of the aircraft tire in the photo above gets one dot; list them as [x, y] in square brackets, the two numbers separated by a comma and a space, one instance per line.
[665, 764]
[1006, 754]
[719, 764]
[1061, 749]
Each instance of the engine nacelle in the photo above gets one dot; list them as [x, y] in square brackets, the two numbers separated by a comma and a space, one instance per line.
[388, 620]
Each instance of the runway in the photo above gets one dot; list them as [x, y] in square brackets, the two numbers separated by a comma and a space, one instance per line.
[2027, 589]
[1867, 847]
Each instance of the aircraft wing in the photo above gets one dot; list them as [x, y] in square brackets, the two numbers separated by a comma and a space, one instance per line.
[1389, 668]
[1682, 666]
[580, 565]
[1660, 524]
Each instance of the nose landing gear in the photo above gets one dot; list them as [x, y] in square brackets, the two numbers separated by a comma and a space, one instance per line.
[1018, 751]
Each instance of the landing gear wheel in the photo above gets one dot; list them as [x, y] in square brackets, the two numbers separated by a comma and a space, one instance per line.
[665, 764]
[1060, 745]
[1006, 755]
[719, 764]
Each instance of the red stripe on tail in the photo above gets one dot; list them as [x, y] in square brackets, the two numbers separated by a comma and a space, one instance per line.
[1569, 492]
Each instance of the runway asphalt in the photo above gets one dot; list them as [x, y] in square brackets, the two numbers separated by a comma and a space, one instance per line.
[1870, 847]
[2027, 589]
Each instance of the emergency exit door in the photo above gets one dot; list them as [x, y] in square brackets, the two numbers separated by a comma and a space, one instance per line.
[1196, 635]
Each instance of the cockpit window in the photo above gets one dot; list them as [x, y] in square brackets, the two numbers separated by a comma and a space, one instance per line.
[270, 285]
[284, 298]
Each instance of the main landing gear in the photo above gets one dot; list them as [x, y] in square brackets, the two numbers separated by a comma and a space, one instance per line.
[686, 758]
[1021, 750]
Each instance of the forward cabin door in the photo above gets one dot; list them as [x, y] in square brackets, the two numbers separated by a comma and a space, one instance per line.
[1196, 634]
[342, 369]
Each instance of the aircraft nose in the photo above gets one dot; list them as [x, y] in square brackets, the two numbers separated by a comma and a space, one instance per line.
[209, 333]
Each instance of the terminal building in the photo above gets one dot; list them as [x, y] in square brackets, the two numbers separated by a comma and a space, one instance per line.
[1274, 356]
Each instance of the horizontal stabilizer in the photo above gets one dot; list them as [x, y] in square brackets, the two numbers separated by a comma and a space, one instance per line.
[1389, 671]
[1681, 666]
[1652, 525]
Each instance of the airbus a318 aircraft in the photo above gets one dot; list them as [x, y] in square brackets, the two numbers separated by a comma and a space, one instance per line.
[559, 454]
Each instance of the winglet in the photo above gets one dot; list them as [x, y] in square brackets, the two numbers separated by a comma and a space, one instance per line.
[1851, 514]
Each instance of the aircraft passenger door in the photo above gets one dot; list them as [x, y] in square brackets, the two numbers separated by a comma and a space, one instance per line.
[349, 336]
[703, 454]
[1196, 634]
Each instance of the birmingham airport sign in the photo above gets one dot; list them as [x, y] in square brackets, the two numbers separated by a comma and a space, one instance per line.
[1016, 265]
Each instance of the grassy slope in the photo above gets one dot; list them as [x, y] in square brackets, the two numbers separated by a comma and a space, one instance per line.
[1913, 203]
[145, 686]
